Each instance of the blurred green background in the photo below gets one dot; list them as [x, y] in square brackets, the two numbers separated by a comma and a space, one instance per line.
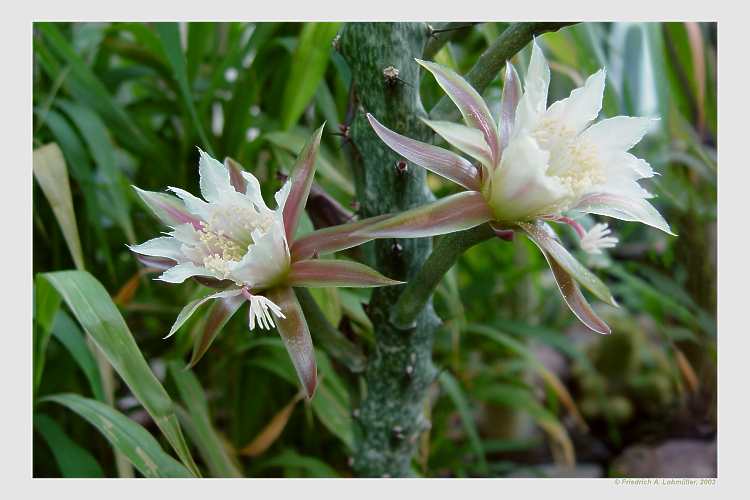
[523, 391]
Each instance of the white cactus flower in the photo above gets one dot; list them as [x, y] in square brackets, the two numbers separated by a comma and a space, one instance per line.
[231, 240]
[533, 167]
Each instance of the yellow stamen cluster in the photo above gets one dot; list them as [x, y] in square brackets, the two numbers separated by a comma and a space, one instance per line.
[574, 160]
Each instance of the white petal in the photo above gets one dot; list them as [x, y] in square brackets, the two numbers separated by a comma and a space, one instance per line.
[189, 309]
[467, 139]
[266, 259]
[164, 246]
[626, 165]
[252, 190]
[185, 234]
[214, 177]
[582, 106]
[520, 187]
[195, 205]
[181, 272]
[282, 194]
[534, 100]
[619, 133]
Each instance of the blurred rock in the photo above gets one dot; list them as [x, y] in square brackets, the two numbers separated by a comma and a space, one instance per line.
[675, 458]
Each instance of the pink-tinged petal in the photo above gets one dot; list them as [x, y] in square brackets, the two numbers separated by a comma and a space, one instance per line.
[574, 298]
[189, 309]
[447, 215]
[159, 263]
[183, 271]
[235, 175]
[296, 336]
[435, 159]
[222, 311]
[508, 103]
[170, 210]
[545, 239]
[333, 239]
[624, 208]
[301, 179]
[324, 273]
[469, 103]
[468, 140]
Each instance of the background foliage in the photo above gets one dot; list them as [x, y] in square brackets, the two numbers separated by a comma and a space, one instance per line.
[522, 389]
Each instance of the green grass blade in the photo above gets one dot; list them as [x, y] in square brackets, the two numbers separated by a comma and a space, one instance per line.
[309, 63]
[72, 459]
[92, 306]
[125, 435]
[451, 386]
[215, 454]
[94, 133]
[51, 173]
[46, 305]
[86, 87]
[72, 338]
[169, 33]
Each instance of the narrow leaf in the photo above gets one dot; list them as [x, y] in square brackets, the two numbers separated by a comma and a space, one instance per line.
[296, 336]
[210, 443]
[447, 215]
[322, 273]
[91, 305]
[451, 386]
[268, 435]
[70, 336]
[72, 459]
[125, 435]
[308, 67]
[471, 105]
[544, 238]
[51, 173]
[169, 34]
[301, 179]
[435, 159]
[222, 311]
[333, 239]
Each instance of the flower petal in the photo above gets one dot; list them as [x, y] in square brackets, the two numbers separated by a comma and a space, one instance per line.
[574, 298]
[545, 239]
[467, 139]
[619, 133]
[469, 103]
[533, 102]
[214, 177]
[183, 271]
[195, 205]
[222, 311]
[296, 336]
[301, 179]
[189, 309]
[168, 209]
[164, 246]
[435, 159]
[521, 189]
[624, 208]
[447, 215]
[235, 175]
[508, 103]
[324, 273]
[334, 238]
[266, 259]
[158, 263]
[582, 106]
